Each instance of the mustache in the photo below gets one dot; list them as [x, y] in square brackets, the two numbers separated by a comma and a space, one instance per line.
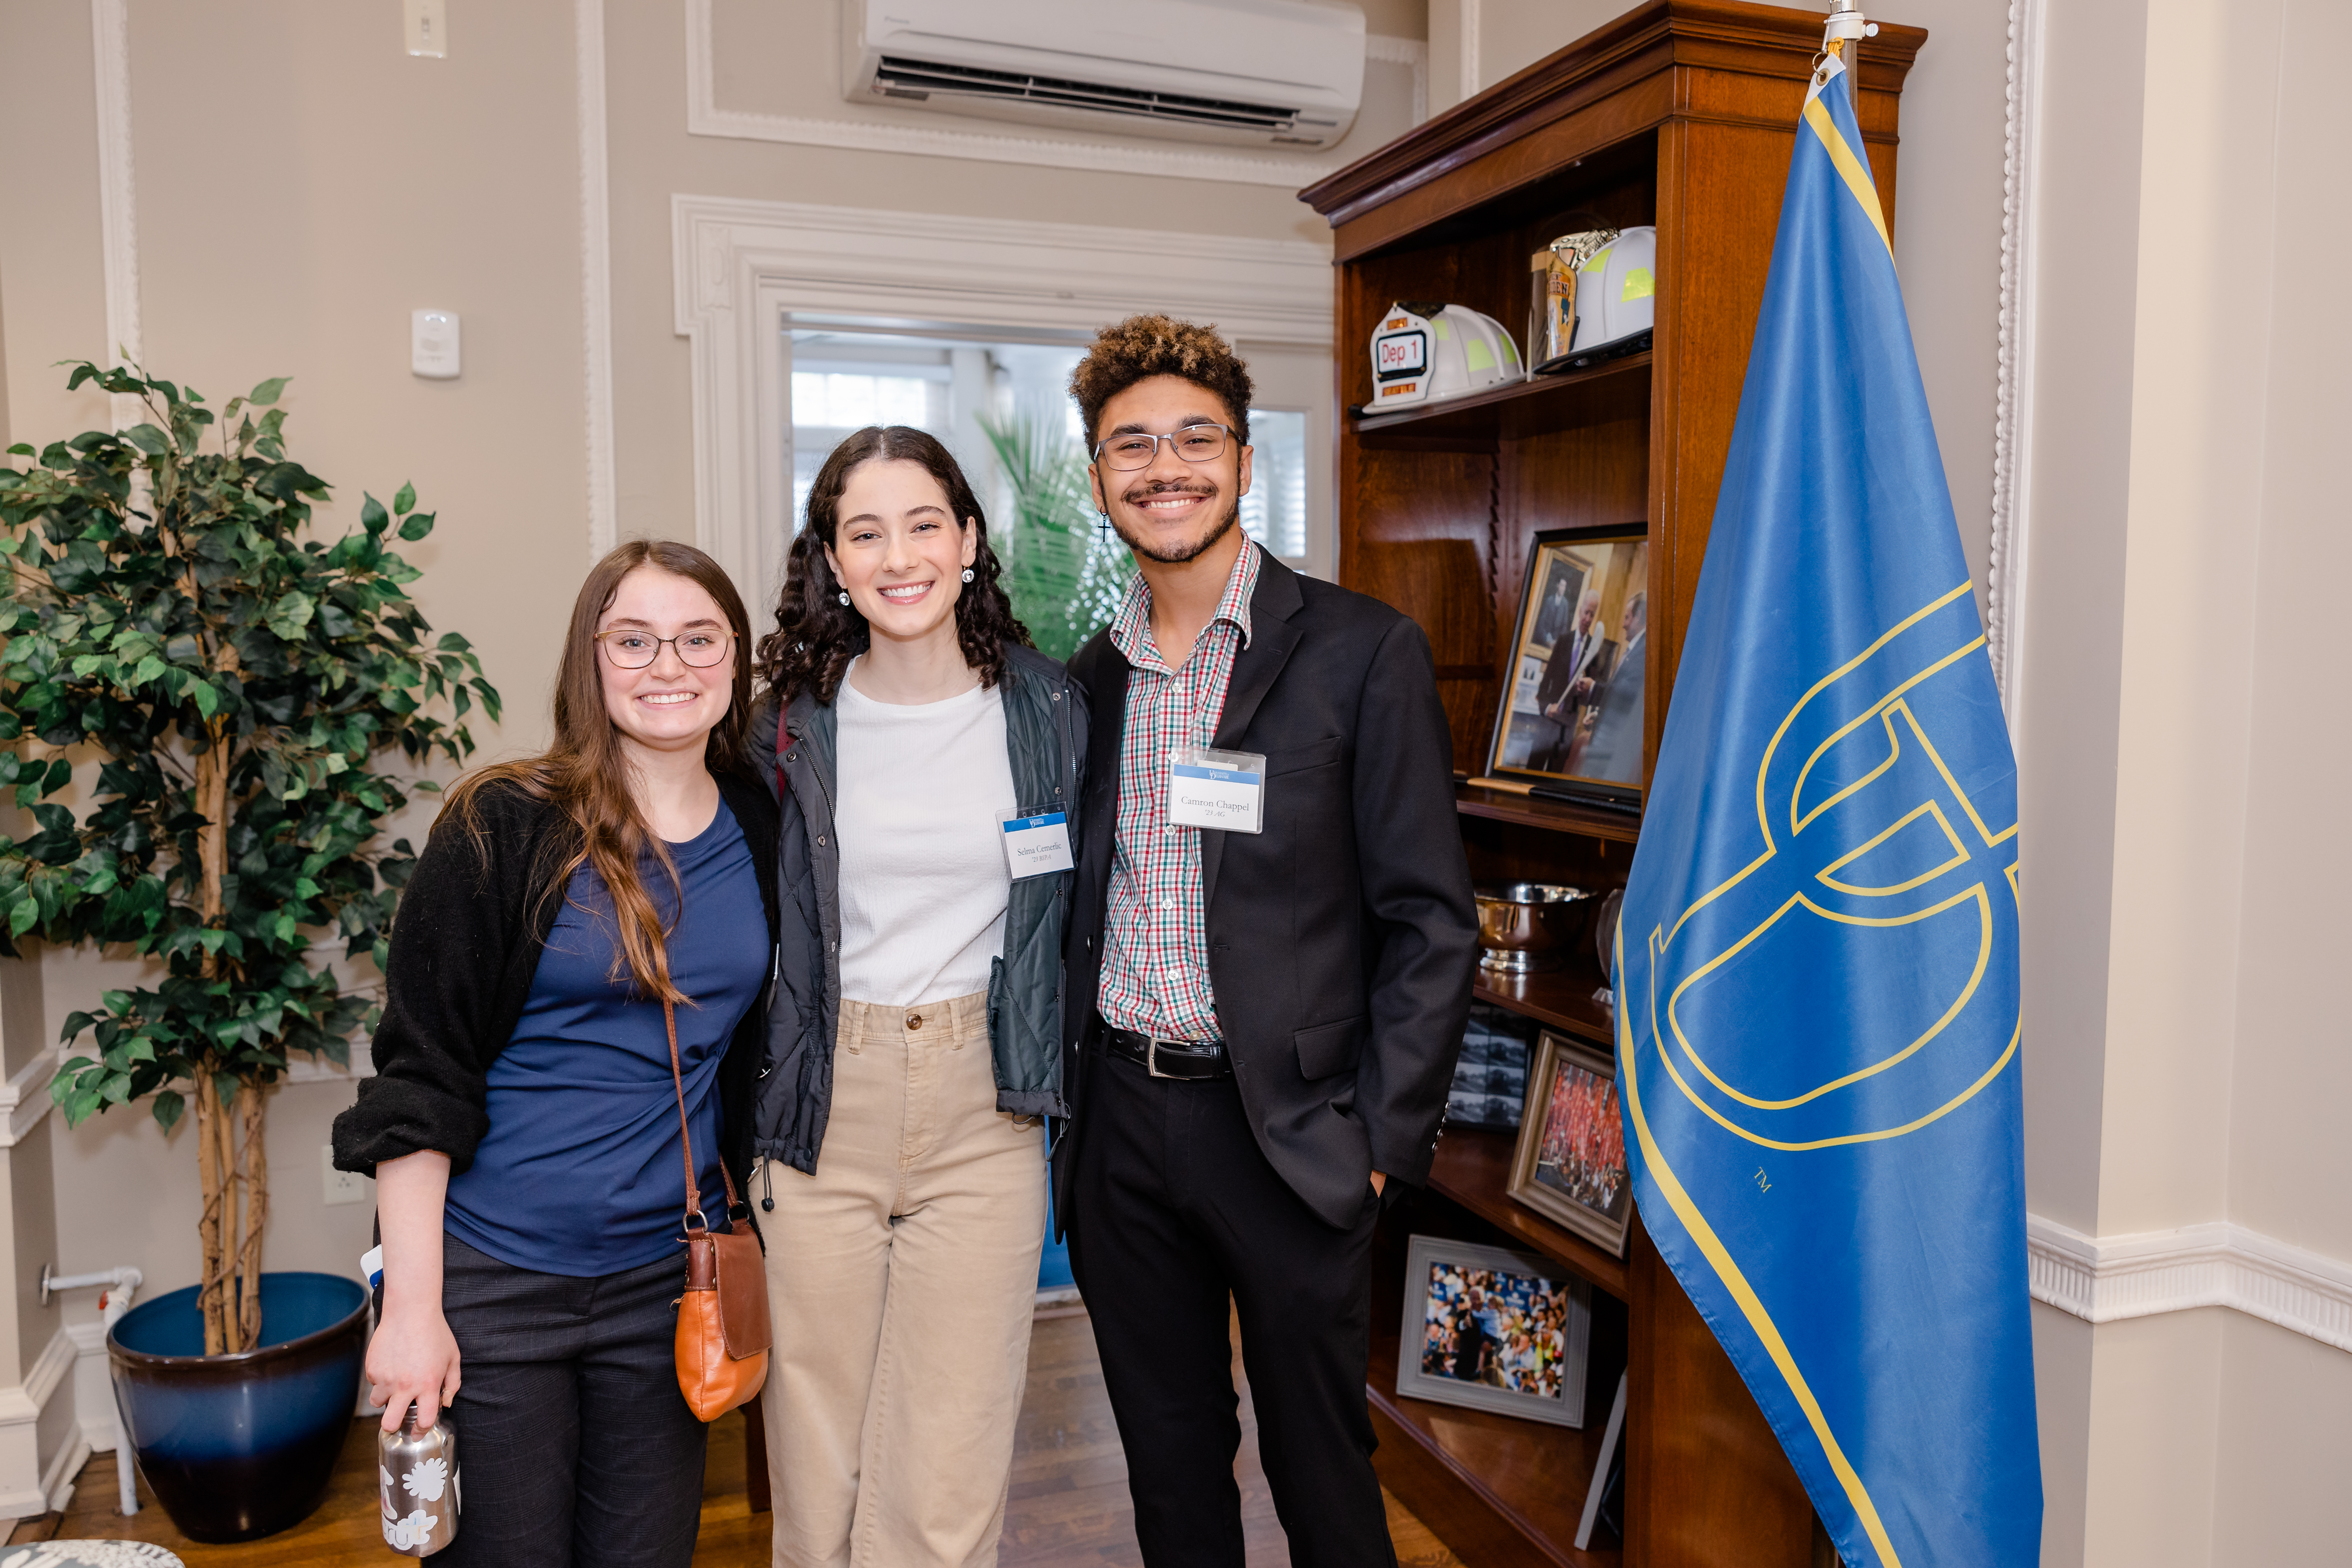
[1136, 494]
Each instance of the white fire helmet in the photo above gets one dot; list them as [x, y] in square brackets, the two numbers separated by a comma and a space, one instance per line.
[1617, 292]
[1427, 352]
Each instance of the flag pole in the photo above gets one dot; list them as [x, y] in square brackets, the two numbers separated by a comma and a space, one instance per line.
[1845, 21]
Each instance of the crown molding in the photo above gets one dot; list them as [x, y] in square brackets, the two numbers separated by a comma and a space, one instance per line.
[740, 269]
[2105, 1278]
[596, 277]
[2012, 430]
[705, 118]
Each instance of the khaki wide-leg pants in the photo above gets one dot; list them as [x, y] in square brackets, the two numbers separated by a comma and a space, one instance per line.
[903, 1277]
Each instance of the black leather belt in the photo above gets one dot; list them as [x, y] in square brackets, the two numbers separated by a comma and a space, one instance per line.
[1167, 1058]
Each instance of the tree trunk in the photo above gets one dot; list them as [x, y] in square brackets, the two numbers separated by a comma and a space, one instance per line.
[211, 1228]
[249, 1106]
[236, 1193]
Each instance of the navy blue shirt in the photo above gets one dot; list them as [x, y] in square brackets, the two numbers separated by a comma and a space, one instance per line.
[581, 1173]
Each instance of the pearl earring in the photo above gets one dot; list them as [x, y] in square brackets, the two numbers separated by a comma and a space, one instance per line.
[844, 596]
[966, 574]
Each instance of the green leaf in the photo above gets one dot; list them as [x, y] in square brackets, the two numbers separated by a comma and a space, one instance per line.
[372, 516]
[149, 668]
[206, 696]
[416, 527]
[147, 440]
[290, 615]
[168, 1107]
[404, 501]
[268, 392]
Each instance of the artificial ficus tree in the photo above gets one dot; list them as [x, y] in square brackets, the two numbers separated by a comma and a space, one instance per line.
[170, 617]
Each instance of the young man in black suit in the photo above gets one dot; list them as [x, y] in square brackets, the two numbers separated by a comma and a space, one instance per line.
[1261, 1027]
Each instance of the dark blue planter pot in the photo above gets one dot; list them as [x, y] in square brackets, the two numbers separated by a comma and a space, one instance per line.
[241, 1445]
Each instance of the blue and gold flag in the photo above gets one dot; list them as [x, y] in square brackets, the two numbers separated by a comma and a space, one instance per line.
[1816, 964]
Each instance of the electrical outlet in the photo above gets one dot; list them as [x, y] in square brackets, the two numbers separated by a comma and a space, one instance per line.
[342, 1186]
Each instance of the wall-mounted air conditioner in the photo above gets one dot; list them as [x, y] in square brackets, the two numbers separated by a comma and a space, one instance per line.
[1283, 73]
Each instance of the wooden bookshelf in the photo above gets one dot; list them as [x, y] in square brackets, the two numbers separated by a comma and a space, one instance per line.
[1518, 406]
[1473, 1167]
[1679, 114]
[1552, 815]
[1559, 997]
[1527, 1480]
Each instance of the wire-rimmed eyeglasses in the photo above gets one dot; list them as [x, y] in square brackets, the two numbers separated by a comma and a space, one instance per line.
[1195, 444]
[630, 647]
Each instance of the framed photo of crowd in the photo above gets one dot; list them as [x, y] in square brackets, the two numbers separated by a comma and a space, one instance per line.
[1494, 1329]
[1573, 713]
[1569, 1166]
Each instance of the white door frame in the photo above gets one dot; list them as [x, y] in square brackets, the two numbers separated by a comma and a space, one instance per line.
[742, 269]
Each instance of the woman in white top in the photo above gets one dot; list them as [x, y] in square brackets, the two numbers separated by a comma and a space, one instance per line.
[926, 760]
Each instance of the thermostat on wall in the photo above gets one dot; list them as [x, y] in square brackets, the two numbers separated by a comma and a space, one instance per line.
[433, 343]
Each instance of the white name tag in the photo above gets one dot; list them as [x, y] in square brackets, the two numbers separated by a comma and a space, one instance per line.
[1217, 789]
[1037, 844]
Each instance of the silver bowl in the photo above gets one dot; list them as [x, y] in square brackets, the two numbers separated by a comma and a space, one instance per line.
[1523, 926]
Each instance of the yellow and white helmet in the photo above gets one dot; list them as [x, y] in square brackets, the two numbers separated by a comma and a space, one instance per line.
[1617, 292]
[1429, 353]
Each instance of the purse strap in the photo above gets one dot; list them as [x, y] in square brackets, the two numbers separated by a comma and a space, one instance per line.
[686, 1139]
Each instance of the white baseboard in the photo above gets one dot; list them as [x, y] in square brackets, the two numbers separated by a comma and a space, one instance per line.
[93, 1386]
[2103, 1279]
[59, 1480]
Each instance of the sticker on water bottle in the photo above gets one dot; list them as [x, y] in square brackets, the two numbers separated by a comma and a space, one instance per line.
[1036, 842]
[1217, 789]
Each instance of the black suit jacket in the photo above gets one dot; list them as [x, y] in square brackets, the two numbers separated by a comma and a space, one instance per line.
[1341, 939]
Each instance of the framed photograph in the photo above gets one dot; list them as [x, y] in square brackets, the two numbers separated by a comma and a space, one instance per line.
[1571, 1163]
[1572, 712]
[1494, 1329]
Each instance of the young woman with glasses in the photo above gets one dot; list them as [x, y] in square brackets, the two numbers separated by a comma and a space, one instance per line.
[915, 1043]
[524, 1126]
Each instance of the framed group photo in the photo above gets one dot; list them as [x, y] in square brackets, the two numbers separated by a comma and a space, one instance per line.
[1494, 1329]
[1572, 713]
[1570, 1165]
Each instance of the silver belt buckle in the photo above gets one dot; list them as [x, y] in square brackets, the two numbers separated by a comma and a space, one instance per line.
[1151, 1057]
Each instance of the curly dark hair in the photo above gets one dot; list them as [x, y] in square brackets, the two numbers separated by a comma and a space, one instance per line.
[817, 634]
[1142, 347]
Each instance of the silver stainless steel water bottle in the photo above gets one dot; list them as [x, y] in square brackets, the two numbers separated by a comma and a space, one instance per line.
[416, 1478]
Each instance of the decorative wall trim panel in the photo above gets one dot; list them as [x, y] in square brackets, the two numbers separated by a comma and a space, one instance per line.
[25, 1098]
[2012, 431]
[2104, 1278]
[705, 118]
[740, 269]
[596, 277]
[118, 215]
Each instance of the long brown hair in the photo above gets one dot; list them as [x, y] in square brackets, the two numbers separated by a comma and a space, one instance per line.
[586, 775]
[817, 634]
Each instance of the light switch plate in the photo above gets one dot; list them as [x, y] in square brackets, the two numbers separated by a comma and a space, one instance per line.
[342, 1186]
[426, 27]
[433, 340]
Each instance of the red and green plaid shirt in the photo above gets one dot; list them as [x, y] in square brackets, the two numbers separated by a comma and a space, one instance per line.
[1155, 972]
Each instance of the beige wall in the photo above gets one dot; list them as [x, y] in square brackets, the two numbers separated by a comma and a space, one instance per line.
[2184, 924]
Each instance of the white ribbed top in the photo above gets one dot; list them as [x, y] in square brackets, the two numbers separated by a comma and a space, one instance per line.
[923, 791]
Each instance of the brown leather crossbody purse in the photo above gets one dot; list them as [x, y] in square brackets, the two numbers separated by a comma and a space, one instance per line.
[723, 1329]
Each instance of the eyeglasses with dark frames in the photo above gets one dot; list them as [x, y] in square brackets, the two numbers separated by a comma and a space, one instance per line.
[1195, 444]
[633, 647]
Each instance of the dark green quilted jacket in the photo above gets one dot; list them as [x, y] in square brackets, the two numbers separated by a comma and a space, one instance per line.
[1045, 731]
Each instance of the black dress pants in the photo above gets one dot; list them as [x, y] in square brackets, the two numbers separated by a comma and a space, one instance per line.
[576, 1449]
[1173, 1210]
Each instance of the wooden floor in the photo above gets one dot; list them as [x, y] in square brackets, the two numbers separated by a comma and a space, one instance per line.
[1069, 1506]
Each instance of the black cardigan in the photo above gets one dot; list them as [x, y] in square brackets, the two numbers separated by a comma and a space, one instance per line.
[465, 946]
